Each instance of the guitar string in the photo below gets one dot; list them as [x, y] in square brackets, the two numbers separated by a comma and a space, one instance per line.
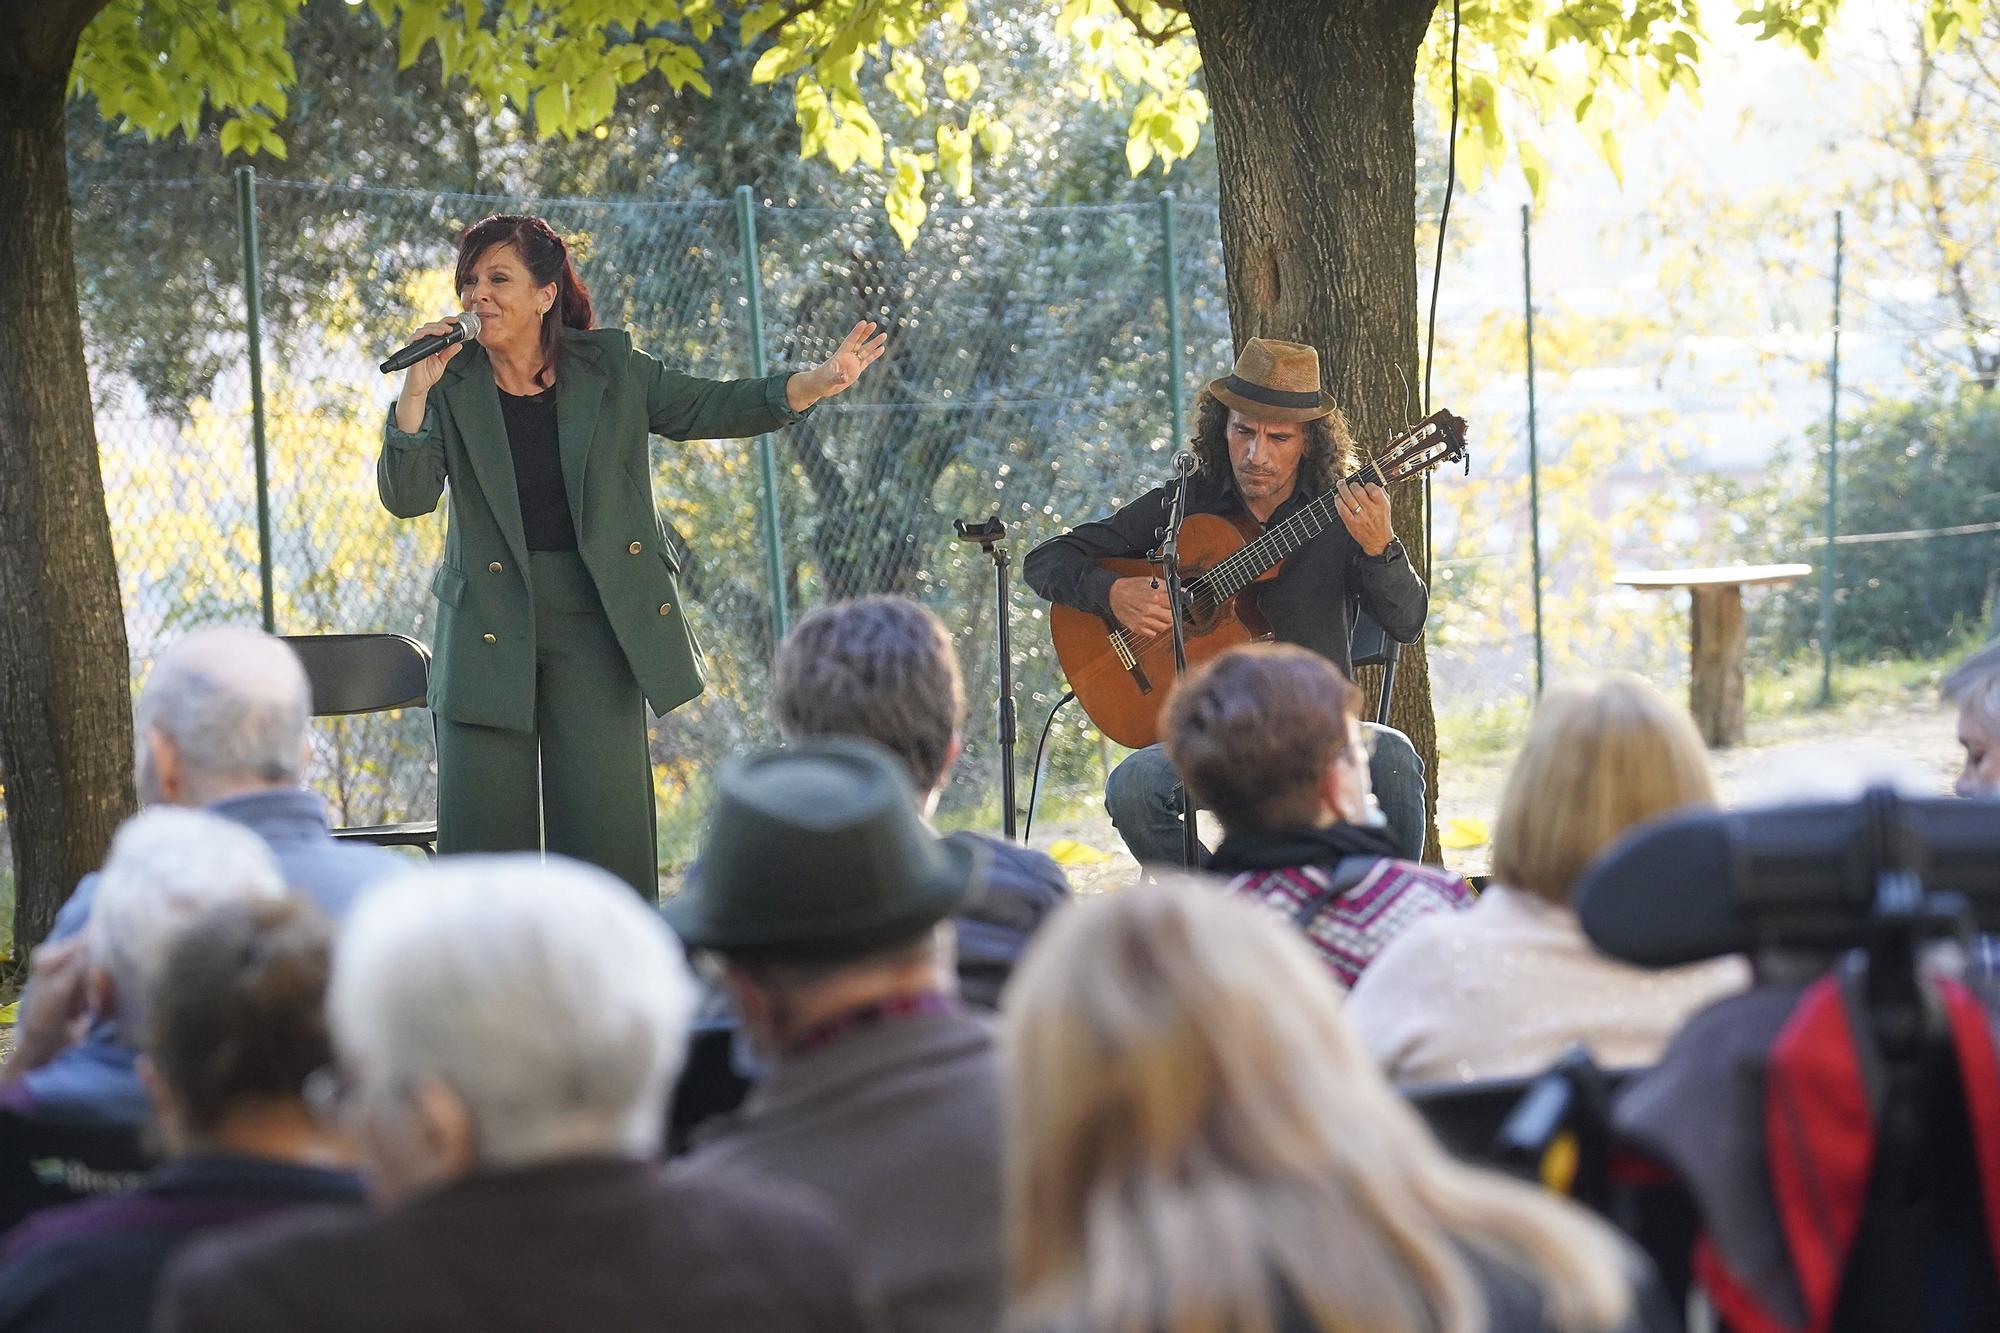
[1208, 582]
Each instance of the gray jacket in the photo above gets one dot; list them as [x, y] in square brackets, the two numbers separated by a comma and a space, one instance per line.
[896, 1126]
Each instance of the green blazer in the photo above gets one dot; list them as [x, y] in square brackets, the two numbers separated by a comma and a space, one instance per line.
[609, 398]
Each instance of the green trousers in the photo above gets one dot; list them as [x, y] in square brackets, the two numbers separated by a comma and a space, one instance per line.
[581, 783]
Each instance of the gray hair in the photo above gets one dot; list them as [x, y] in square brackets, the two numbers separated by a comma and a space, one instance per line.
[881, 668]
[1975, 683]
[545, 995]
[167, 866]
[234, 703]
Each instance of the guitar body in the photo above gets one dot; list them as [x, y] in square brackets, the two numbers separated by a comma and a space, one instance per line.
[1123, 685]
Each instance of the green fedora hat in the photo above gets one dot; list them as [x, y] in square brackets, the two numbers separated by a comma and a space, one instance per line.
[817, 850]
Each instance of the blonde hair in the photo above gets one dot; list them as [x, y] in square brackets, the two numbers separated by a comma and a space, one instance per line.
[1193, 1126]
[1601, 756]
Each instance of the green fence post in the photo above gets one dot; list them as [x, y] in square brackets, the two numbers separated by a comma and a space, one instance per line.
[1171, 285]
[767, 466]
[1534, 455]
[253, 322]
[1826, 579]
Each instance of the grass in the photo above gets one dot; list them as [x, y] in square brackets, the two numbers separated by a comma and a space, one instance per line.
[1793, 688]
[1787, 689]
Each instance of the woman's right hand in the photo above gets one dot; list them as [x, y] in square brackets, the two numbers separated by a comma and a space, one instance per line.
[419, 379]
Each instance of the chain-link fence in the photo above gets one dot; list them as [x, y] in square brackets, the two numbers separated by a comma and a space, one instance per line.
[1029, 372]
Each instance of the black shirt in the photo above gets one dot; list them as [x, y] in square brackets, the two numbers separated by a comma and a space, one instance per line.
[1311, 602]
[531, 437]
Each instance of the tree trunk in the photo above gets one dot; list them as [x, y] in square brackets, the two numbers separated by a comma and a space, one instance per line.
[1319, 223]
[65, 676]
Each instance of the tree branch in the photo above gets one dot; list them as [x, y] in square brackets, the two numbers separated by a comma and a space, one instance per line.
[1160, 36]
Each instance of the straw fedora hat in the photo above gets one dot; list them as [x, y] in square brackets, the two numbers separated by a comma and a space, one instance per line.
[1274, 381]
[818, 851]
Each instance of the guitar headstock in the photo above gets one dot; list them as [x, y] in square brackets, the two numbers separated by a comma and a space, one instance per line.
[1438, 438]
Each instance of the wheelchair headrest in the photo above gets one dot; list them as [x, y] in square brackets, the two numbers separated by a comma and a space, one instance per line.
[1700, 885]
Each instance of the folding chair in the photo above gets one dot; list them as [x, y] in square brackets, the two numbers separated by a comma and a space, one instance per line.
[369, 673]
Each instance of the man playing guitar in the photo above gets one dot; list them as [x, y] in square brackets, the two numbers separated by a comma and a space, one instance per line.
[1267, 443]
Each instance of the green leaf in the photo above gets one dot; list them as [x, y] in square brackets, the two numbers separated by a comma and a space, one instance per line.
[905, 200]
[1534, 168]
[773, 64]
[961, 82]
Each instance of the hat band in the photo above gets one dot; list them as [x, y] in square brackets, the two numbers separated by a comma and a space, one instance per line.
[1258, 393]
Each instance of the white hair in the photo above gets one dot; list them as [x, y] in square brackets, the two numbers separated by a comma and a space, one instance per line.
[234, 703]
[1974, 684]
[166, 866]
[546, 995]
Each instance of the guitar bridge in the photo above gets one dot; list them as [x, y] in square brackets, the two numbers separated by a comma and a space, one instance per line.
[1130, 661]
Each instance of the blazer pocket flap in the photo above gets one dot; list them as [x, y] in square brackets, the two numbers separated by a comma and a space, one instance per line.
[448, 585]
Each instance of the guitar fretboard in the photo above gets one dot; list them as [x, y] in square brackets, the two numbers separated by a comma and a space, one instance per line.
[1242, 569]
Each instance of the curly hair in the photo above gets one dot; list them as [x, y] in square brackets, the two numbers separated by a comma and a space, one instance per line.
[1329, 455]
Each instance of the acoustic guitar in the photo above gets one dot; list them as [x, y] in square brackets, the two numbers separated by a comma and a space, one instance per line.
[1122, 678]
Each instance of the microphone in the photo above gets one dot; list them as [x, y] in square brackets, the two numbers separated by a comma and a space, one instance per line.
[430, 345]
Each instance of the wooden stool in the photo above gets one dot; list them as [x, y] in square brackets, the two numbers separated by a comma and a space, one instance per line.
[1715, 642]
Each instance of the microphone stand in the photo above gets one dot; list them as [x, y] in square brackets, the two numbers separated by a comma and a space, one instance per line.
[989, 535]
[1169, 555]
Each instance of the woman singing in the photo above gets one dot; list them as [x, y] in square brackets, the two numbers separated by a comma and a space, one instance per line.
[559, 618]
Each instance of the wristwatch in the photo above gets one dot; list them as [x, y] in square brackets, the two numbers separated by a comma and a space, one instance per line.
[1390, 553]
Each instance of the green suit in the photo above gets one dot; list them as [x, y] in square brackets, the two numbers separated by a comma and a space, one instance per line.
[544, 660]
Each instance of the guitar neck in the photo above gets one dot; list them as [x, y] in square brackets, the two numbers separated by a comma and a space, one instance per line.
[1245, 567]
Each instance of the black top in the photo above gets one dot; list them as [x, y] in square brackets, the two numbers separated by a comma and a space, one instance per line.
[97, 1264]
[531, 437]
[1311, 602]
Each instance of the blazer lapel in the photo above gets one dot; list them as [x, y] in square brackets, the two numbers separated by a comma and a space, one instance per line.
[579, 391]
[475, 408]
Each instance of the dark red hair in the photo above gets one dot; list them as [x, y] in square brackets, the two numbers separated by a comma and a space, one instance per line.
[546, 258]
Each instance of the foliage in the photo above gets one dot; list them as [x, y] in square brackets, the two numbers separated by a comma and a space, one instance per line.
[155, 65]
[1904, 466]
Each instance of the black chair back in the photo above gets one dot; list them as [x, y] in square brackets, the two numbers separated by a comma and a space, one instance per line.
[369, 673]
[1370, 645]
[43, 1165]
[363, 673]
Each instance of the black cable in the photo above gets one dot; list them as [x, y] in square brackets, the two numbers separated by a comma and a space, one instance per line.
[1437, 267]
[1035, 787]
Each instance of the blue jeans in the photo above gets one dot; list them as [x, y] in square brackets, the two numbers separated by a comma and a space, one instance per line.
[1143, 797]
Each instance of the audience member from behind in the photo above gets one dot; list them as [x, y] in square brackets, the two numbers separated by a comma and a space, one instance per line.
[235, 1026]
[1268, 736]
[166, 866]
[883, 668]
[506, 1033]
[1974, 685]
[221, 724]
[1505, 988]
[822, 894]
[1196, 1140]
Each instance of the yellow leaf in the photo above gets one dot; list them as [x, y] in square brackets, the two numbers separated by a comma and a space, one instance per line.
[1462, 832]
[961, 82]
[954, 150]
[770, 65]
[9, 1012]
[1070, 852]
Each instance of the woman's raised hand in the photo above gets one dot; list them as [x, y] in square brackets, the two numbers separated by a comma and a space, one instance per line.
[860, 349]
